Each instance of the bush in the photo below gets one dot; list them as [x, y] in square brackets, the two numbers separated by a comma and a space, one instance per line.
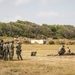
[57, 42]
[70, 43]
[55, 38]
[60, 42]
[16, 40]
[51, 42]
[27, 42]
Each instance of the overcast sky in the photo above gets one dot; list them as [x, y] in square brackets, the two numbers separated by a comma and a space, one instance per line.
[38, 11]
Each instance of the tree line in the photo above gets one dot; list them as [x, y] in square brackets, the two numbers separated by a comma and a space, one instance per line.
[32, 30]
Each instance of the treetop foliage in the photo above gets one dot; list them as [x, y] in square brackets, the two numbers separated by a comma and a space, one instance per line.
[32, 30]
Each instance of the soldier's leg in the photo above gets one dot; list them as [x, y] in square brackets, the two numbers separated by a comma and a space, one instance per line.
[10, 56]
[20, 56]
[17, 56]
[4, 56]
[59, 52]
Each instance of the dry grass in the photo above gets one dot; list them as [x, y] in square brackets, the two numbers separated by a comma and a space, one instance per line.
[41, 64]
[45, 47]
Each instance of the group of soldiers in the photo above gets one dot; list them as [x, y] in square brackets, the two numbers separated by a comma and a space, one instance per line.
[63, 51]
[7, 50]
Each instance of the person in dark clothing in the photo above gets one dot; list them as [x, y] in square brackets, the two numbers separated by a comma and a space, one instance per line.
[1, 49]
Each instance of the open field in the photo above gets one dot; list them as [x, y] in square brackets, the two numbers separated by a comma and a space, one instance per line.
[45, 47]
[41, 64]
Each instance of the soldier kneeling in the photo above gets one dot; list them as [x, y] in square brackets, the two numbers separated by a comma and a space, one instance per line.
[61, 50]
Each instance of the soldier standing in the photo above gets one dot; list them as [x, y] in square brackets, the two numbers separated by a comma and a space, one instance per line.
[11, 50]
[5, 50]
[1, 44]
[1, 47]
[18, 51]
[1, 52]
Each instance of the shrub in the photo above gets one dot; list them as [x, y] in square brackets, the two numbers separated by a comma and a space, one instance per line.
[57, 42]
[51, 42]
[60, 42]
[16, 40]
[27, 42]
[70, 43]
[55, 38]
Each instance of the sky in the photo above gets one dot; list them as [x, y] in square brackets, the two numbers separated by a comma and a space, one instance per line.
[38, 11]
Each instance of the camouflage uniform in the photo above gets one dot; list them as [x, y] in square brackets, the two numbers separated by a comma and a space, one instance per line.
[1, 49]
[61, 50]
[1, 44]
[11, 50]
[5, 50]
[18, 51]
[1, 52]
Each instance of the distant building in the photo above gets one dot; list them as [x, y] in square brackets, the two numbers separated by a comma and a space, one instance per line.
[38, 41]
